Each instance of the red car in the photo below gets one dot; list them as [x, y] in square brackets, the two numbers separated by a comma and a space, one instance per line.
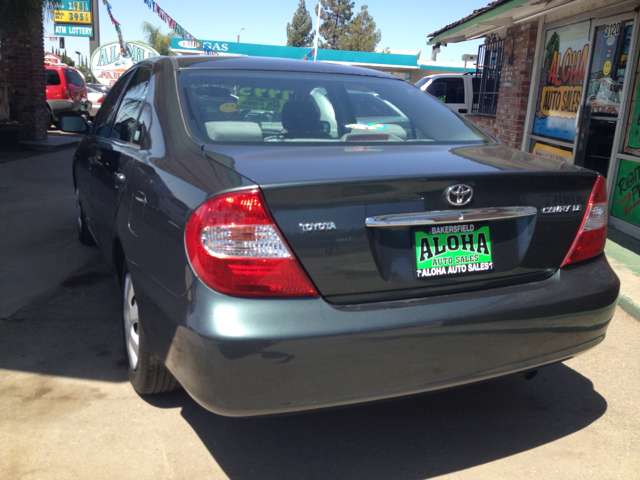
[66, 92]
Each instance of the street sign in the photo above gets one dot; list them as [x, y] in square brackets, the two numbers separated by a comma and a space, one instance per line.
[74, 30]
[72, 12]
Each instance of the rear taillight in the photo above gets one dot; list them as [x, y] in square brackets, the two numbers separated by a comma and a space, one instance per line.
[100, 99]
[235, 247]
[592, 235]
[65, 93]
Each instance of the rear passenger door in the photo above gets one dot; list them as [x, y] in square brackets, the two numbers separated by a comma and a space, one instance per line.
[117, 146]
[450, 91]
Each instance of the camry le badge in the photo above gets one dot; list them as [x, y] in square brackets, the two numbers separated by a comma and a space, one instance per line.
[458, 195]
[317, 227]
[562, 209]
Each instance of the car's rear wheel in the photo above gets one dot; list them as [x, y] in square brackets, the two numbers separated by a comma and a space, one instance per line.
[84, 234]
[49, 119]
[146, 374]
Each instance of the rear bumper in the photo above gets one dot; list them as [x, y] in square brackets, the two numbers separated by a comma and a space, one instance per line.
[242, 357]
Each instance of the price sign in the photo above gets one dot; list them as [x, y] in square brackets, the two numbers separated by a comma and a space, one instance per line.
[72, 13]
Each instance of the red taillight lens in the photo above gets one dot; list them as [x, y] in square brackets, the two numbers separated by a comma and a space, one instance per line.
[65, 94]
[592, 235]
[236, 248]
[100, 99]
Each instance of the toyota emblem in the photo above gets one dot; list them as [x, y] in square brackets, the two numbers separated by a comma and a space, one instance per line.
[458, 195]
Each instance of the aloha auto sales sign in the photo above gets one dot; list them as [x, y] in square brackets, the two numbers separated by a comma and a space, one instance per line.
[108, 63]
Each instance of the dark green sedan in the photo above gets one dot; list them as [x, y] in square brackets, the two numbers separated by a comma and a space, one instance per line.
[292, 235]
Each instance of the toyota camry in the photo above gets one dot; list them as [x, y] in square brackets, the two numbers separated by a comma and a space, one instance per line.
[293, 235]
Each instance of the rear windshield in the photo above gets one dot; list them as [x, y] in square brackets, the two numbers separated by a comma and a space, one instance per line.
[276, 107]
[52, 77]
[73, 78]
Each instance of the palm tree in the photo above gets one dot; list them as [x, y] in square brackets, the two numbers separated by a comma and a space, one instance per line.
[155, 39]
[21, 22]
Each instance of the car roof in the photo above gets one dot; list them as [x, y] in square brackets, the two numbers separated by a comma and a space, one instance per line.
[269, 64]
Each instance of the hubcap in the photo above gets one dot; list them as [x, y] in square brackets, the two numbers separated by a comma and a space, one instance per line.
[131, 319]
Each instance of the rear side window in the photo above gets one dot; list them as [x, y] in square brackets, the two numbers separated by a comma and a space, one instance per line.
[125, 125]
[73, 77]
[287, 107]
[107, 110]
[52, 77]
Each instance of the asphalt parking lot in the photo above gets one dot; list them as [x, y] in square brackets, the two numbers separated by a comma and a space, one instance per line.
[68, 412]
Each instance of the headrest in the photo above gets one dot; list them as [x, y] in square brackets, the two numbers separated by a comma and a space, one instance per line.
[301, 115]
[234, 131]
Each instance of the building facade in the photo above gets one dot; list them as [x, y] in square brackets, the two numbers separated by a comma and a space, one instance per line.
[560, 79]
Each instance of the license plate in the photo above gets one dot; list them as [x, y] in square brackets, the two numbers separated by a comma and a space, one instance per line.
[452, 250]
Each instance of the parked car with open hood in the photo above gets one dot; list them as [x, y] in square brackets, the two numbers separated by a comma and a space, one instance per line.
[292, 235]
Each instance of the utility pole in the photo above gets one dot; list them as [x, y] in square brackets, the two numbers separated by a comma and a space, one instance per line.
[94, 42]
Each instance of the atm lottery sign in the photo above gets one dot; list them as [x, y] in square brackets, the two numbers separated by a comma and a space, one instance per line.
[452, 250]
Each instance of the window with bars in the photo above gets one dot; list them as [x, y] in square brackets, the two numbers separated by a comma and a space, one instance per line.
[488, 70]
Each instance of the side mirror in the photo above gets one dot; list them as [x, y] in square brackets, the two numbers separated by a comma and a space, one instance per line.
[73, 124]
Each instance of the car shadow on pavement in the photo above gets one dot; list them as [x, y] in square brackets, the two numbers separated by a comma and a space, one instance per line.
[74, 331]
[71, 331]
[417, 437]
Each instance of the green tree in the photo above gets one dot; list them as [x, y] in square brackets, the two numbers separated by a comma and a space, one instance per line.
[335, 15]
[85, 72]
[155, 39]
[361, 34]
[299, 30]
[68, 60]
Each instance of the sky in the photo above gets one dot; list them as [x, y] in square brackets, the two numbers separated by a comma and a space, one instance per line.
[404, 24]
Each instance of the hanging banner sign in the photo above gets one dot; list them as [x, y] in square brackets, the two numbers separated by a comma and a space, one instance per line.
[108, 63]
[626, 197]
[562, 80]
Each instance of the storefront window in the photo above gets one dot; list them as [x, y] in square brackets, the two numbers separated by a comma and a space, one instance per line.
[626, 192]
[561, 81]
[608, 67]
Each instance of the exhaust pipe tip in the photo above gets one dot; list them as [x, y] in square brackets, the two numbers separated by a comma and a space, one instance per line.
[529, 375]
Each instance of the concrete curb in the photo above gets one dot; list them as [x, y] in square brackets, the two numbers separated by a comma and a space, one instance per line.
[629, 306]
[623, 253]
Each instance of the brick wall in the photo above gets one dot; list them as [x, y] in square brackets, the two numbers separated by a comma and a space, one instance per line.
[508, 124]
[23, 64]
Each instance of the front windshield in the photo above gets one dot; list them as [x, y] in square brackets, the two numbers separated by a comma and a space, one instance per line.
[251, 107]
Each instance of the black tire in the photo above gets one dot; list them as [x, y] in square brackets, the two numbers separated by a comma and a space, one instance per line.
[49, 119]
[146, 374]
[84, 234]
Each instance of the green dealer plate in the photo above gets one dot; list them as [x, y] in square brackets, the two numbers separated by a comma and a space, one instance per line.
[446, 250]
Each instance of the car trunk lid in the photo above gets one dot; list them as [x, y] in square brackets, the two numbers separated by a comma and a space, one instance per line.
[374, 224]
